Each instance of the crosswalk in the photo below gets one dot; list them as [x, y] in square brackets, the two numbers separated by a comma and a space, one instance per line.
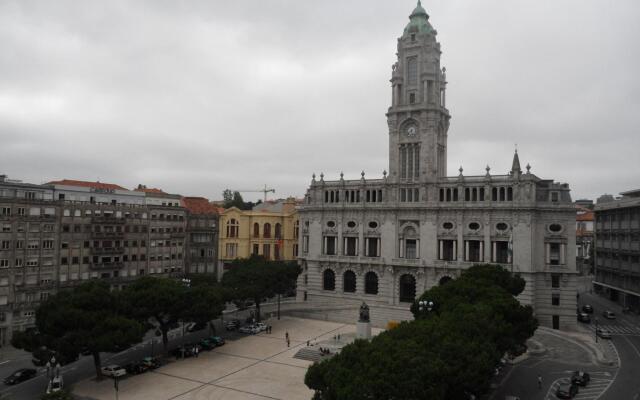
[600, 381]
[618, 328]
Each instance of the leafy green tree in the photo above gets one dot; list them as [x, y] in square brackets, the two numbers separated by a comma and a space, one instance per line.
[161, 300]
[447, 352]
[256, 278]
[204, 299]
[87, 316]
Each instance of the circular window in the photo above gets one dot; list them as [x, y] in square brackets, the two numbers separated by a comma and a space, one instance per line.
[501, 226]
[351, 224]
[373, 224]
[331, 224]
[555, 228]
[448, 225]
[474, 226]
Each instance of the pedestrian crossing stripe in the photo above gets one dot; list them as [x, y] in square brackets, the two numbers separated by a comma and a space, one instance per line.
[617, 329]
[594, 389]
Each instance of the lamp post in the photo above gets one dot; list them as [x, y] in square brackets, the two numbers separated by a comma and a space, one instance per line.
[425, 305]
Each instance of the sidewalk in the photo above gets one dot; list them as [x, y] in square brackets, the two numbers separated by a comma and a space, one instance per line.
[9, 352]
[602, 353]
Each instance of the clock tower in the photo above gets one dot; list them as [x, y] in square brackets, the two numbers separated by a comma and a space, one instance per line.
[418, 119]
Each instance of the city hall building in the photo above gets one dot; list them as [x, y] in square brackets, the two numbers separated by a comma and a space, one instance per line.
[388, 239]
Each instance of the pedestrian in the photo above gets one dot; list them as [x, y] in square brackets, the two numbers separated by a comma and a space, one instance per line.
[288, 342]
[539, 382]
[338, 336]
[307, 343]
[196, 350]
[286, 335]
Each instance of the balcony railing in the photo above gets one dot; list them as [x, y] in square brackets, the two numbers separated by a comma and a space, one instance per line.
[107, 235]
[107, 250]
[107, 220]
[103, 266]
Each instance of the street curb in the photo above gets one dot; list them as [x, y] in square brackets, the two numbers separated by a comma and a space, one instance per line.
[600, 358]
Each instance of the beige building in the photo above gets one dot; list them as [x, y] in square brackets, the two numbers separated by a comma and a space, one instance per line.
[271, 230]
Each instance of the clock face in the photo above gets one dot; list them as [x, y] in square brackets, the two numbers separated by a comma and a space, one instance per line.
[411, 131]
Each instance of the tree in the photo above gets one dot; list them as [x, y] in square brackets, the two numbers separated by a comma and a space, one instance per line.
[204, 299]
[448, 352]
[163, 300]
[87, 316]
[256, 278]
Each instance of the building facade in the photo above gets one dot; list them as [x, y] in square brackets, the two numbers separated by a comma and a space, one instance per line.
[617, 248]
[271, 230]
[387, 240]
[202, 236]
[65, 232]
[584, 238]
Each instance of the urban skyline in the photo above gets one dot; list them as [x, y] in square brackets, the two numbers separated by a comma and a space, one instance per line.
[165, 99]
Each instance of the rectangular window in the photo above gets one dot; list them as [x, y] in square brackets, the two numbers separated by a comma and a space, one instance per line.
[4, 263]
[33, 244]
[5, 245]
[500, 252]
[21, 211]
[6, 227]
[372, 247]
[473, 250]
[295, 250]
[555, 280]
[305, 244]
[555, 299]
[330, 245]
[554, 253]
[47, 244]
[18, 262]
[412, 71]
[256, 249]
[448, 250]
[5, 211]
[350, 246]
[411, 248]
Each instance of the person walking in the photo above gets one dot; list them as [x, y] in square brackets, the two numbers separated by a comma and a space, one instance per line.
[288, 342]
[196, 350]
[286, 335]
[539, 382]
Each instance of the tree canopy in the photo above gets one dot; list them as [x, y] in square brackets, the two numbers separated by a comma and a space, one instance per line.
[448, 352]
[256, 278]
[88, 316]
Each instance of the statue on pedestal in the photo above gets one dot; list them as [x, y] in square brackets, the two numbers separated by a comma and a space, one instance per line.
[364, 312]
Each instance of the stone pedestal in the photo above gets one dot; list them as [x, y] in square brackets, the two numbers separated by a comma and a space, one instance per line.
[363, 330]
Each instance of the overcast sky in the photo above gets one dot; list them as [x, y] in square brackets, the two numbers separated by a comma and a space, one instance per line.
[197, 96]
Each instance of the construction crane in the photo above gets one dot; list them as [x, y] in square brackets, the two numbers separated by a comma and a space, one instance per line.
[265, 191]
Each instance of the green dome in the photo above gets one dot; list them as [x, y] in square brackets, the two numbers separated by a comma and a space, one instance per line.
[418, 21]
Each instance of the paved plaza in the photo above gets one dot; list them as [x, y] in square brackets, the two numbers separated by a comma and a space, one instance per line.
[252, 367]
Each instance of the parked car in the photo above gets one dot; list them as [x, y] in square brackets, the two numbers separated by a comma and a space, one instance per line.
[151, 362]
[20, 375]
[588, 308]
[206, 344]
[261, 326]
[584, 317]
[55, 385]
[252, 329]
[217, 340]
[567, 391]
[511, 398]
[603, 333]
[185, 351]
[580, 378]
[232, 325]
[114, 371]
[609, 314]
[135, 368]
[196, 326]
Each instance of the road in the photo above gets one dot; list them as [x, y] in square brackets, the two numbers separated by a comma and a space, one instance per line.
[84, 368]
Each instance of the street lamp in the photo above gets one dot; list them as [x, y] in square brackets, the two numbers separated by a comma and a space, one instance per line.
[425, 305]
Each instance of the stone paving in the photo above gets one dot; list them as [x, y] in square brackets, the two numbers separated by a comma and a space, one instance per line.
[253, 367]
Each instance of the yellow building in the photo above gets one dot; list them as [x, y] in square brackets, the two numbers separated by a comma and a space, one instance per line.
[271, 230]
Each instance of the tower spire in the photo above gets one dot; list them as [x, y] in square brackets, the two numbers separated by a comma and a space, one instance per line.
[515, 166]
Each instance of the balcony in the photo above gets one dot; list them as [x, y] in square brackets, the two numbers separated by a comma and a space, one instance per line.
[107, 250]
[107, 220]
[104, 266]
[107, 235]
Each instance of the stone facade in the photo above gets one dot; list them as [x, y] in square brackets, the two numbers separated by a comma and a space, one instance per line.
[617, 249]
[388, 239]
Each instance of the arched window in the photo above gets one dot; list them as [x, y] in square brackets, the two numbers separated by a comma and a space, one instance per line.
[296, 229]
[349, 282]
[232, 228]
[328, 280]
[371, 283]
[502, 195]
[256, 230]
[278, 232]
[267, 230]
[407, 288]
[509, 194]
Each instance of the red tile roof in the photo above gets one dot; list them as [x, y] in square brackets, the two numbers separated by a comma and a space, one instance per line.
[149, 190]
[199, 205]
[587, 216]
[95, 185]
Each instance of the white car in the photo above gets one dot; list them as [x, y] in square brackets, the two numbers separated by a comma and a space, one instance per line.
[252, 329]
[261, 326]
[114, 371]
[55, 385]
